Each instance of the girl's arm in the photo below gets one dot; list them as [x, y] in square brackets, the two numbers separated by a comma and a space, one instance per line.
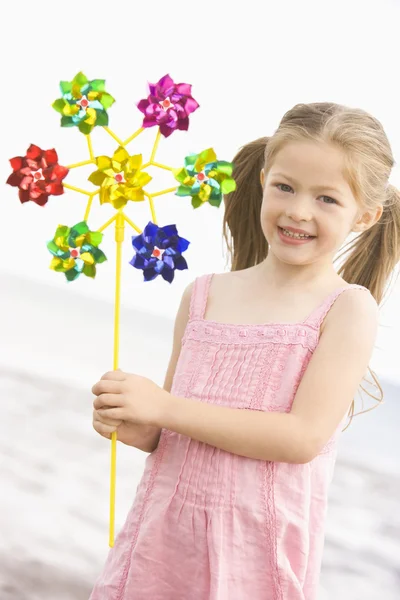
[323, 398]
[151, 434]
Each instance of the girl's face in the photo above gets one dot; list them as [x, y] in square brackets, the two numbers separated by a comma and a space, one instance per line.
[308, 208]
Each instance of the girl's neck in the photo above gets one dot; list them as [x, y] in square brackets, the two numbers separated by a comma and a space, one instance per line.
[277, 274]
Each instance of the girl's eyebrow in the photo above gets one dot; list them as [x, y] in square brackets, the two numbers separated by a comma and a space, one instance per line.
[315, 188]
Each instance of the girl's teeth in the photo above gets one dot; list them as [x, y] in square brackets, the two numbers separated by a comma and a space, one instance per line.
[295, 235]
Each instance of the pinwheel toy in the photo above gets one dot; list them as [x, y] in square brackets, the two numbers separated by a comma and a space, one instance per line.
[120, 180]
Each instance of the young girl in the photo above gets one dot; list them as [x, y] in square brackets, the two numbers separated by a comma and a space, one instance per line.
[265, 364]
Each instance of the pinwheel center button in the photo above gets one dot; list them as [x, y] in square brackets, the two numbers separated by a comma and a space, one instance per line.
[166, 103]
[84, 103]
[157, 253]
[74, 252]
[201, 177]
[119, 177]
[38, 175]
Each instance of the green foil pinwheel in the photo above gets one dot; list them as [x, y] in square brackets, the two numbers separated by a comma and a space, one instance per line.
[84, 103]
[120, 178]
[76, 250]
[205, 178]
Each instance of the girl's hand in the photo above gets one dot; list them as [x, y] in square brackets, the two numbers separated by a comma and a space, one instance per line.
[105, 427]
[142, 437]
[129, 398]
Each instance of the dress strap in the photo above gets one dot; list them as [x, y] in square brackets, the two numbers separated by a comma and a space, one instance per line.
[318, 315]
[198, 302]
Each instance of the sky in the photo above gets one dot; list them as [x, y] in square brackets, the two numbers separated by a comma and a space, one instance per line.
[248, 64]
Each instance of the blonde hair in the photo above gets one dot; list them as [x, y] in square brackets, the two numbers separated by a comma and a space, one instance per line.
[370, 258]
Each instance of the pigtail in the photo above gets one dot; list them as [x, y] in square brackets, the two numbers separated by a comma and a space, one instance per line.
[243, 234]
[371, 258]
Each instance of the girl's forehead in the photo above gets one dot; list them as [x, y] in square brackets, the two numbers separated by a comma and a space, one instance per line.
[311, 163]
[321, 156]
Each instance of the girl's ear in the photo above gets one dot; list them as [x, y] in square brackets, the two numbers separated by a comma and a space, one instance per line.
[368, 219]
[262, 177]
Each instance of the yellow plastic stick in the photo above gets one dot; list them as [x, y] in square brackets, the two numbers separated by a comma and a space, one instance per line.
[90, 147]
[160, 166]
[120, 219]
[81, 164]
[115, 137]
[76, 189]
[155, 147]
[132, 224]
[119, 238]
[133, 136]
[151, 203]
[103, 227]
[169, 191]
[89, 205]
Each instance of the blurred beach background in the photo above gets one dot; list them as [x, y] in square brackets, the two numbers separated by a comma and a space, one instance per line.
[247, 68]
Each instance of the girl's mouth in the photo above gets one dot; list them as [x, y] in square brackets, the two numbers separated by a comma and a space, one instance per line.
[288, 237]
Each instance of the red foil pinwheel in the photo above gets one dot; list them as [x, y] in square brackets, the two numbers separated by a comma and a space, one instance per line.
[37, 175]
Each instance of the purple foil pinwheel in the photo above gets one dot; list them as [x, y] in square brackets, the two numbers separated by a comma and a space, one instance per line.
[159, 252]
[168, 106]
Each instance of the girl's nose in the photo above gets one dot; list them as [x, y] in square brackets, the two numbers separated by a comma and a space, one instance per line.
[299, 210]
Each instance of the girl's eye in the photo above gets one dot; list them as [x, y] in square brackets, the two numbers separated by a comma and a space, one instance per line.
[328, 200]
[283, 185]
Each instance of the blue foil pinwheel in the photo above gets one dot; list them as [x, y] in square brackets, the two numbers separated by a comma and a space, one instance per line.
[159, 252]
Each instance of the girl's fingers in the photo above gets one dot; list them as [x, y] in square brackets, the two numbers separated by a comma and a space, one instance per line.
[112, 413]
[110, 422]
[107, 386]
[116, 375]
[104, 430]
[108, 401]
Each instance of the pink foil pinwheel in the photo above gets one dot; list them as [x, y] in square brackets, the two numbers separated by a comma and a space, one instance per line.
[37, 175]
[168, 106]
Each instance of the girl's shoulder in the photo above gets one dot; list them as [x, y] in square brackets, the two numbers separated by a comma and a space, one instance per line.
[219, 281]
[205, 287]
[351, 302]
[355, 297]
[227, 280]
[221, 285]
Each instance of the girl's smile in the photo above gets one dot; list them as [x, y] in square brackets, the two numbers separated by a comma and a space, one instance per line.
[290, 235]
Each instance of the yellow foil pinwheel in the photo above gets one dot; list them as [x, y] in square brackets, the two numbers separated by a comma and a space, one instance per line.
[120, 178]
